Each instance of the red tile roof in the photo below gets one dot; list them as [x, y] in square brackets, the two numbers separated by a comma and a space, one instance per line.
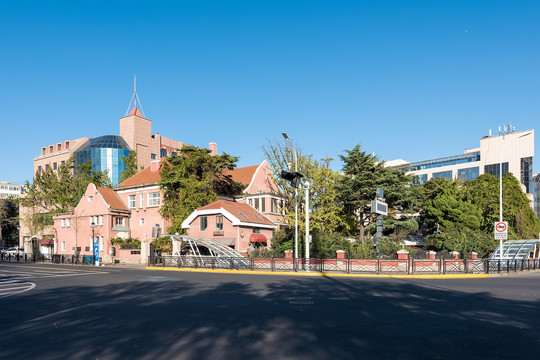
[244, 212]
[143, 177]
[242, 175]
[112, 199]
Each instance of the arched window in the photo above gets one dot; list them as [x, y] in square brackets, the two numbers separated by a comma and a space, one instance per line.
[173, 153]
[163, 153]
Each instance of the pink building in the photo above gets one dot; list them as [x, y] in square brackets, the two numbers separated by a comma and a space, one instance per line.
[261, 191]
[100, 213]
[231, 223]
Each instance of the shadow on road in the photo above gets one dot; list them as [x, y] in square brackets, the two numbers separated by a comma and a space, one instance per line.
[329, 319]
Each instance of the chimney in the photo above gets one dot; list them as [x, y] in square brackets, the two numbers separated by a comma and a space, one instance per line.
[213, 148]
[155, 165]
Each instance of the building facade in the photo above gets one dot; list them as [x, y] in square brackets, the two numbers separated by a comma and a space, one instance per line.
[510, 151]
[231, 223]
[11, 190]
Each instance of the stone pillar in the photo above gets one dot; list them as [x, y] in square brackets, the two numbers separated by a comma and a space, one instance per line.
[474, 255]
[340, 254]
[454, 254]
[145, 250]
[431, 255]
[288, 254]
[403, 254]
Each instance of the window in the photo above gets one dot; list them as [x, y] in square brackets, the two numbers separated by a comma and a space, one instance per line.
[419, 179]
[493, 169]
[93, 220]
[47, 167]
[43, 151]
[119, 221]
[219, 222]
[163, 153]
[153, 156]
[141, 221]
[51, 149]
[153, 199]
[67, 144]
[468, 173]
[101, 243]
[59, 147]
[90, 198]
[443, 174]
[203, 223]
[100, 219]
[256, 230]
[63, 246]
[526, 172]
[55, 166]
[142, 200]
[256, 203]
[132, 200]
[274, 206]
[68, 222]
[63, 162]
[63, 223]
[242, 215]
[39, 169]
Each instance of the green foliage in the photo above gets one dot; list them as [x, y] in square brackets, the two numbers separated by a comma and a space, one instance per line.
[463, 240]
[362, 249]
[363, 174]
[129, 243]
[9, 218]
[193, 179]
[445, 205]
[281, 241]
[130, 162]
[325, 212]
[60, 191]
[163, 245]
[264, 252]
[43, 219]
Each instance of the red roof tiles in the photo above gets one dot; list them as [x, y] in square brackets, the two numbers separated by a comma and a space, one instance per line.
[244, 212]
[112, 199]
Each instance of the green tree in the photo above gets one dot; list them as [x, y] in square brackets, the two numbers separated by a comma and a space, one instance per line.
[444, 206]
[484, 193]
[462, 239]
[193, 179]
[131, 166]
[60, 191]
[9, 218]
[326, 216]
[362, 175]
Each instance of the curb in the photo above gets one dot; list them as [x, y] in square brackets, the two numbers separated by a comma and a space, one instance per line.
[402, 276]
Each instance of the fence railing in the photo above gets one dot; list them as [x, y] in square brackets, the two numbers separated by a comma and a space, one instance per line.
[349, 266]
[346, 266]
[47, 258]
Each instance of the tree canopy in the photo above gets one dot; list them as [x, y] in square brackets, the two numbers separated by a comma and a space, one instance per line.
[193, 179]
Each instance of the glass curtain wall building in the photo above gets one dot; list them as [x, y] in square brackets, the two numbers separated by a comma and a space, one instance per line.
[105, 153]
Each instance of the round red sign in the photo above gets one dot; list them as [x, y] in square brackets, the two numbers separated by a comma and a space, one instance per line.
[500, 227]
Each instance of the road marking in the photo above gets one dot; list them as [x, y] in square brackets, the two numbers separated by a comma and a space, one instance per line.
[25, 286]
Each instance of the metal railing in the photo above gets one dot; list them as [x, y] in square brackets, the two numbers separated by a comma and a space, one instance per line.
[48, 258]
[350, 266]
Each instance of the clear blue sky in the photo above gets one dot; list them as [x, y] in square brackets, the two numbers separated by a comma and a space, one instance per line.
[405, 79]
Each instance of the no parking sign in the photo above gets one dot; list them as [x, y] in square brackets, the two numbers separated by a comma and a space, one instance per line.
[501, 230]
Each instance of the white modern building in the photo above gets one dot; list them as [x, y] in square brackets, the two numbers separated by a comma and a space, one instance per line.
[14, 190]
[514, 149]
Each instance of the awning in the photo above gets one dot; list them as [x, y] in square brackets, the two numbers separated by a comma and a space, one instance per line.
[46, 241]
[257, 238]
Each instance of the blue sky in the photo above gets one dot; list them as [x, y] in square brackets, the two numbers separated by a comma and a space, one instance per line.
[405, 79]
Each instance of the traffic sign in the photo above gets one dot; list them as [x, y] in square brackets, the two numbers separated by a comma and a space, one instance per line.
[379, 207]
[501, 230]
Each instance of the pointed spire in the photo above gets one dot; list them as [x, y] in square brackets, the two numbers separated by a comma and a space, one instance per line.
[135, 100]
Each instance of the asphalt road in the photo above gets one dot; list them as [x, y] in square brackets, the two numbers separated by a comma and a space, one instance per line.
[67, 312]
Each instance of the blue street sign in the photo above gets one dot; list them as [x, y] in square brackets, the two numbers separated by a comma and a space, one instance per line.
[96, 253]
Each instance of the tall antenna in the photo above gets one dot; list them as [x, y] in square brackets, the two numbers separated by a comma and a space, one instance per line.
[135, 98]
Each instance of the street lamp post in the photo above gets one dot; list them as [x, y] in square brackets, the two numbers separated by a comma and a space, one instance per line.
[500, 187]
[295, 197]
[93, 225]
[306, 186]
